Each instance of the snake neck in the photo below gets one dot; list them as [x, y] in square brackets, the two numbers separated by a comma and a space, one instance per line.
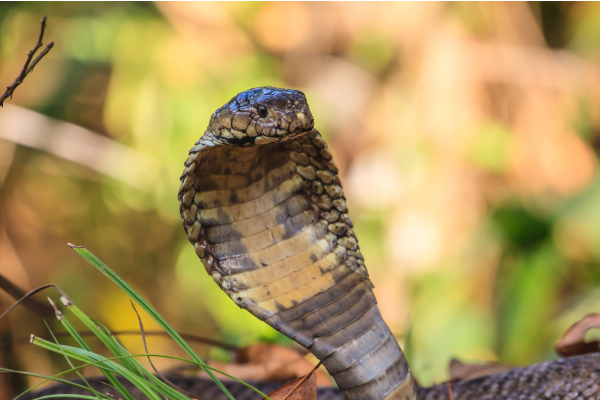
[271, 225]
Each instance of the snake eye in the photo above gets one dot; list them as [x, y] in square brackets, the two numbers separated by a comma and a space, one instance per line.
[262, 111]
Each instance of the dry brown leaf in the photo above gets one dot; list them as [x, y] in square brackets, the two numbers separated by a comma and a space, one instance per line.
[263, 362]
[304, 388]
[460, 371]
[573, 341]
[245, 372]
[262, 353]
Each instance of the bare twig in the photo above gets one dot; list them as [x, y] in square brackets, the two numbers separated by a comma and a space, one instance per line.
[29, 65]
[450, 391]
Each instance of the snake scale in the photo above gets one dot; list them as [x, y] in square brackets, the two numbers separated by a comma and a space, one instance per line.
[263, 205]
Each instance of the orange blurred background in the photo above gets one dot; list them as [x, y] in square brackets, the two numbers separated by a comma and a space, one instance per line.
[467, 135]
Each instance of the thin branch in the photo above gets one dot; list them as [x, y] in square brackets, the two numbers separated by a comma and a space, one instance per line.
[29, 65]
[45, 51]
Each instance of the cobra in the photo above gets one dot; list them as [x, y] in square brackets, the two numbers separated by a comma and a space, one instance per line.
[262, 203]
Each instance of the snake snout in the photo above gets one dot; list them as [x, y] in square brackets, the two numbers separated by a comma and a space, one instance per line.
[302, 122]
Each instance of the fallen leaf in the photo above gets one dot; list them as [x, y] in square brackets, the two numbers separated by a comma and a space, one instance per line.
[304, 388]
[245, 372]
[460, 371]
[258, 352]
[263, 362]
[573, 341]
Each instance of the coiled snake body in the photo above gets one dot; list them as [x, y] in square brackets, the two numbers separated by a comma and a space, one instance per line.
[263, 205]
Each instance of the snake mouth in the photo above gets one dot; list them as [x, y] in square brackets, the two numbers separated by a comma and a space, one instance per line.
[246, 141]
[242, 142]
[300, 126]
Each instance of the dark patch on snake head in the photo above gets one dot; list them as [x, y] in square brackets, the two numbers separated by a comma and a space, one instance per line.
[314, 258]
[243, 141]
[233, 197]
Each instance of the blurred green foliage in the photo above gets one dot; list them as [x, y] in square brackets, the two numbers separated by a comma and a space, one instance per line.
[469, 159]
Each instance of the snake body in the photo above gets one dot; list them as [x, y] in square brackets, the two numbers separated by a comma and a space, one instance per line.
[575, 378]
[262, 202]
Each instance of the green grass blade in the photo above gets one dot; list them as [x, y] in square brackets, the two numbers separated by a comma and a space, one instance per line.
[96, 394]
[62, 396]
[49, 378]
[133, 365]
[111, 378]
[90, 358]
[109, 341]
[148, 388]
[146, 373]
[92, 259]
[96, 364]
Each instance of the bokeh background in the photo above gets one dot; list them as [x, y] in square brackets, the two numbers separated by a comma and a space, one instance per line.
[467, 135]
